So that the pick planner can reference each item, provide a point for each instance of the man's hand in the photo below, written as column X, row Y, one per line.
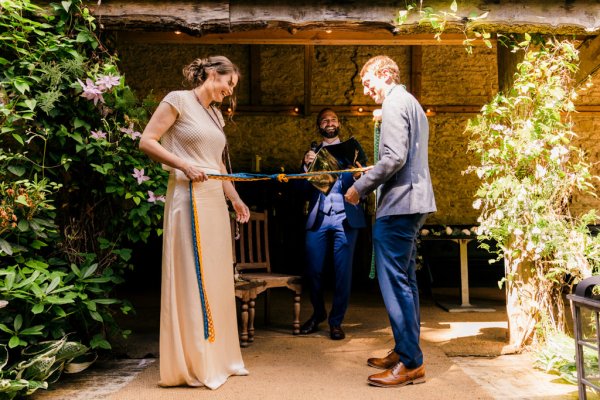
column 352, row 196
column 309, row 157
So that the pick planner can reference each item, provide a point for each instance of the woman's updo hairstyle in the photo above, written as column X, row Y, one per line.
column 196, row 72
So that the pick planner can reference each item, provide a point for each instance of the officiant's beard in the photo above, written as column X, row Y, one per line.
column 329, row 135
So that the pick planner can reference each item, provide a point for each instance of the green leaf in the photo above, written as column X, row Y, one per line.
column 37, row 309
column 454, row 6
column 88, row 271
column 14, row 342
column 75, row 269
column 5, row 329
column 66, row 5
column 37, row 244
column 33, row 330
column 18, row 322
column 78, row 123
column 21, row 85
column 31, row 103
column 53, row 285
column 106, row 301
column 6, row 247
column 36, row 264
column 21, row 200
column 17, row 170
column 99, row 342
column 23, row 225
column 96, row 315
column 9, row 280
column 19, row 139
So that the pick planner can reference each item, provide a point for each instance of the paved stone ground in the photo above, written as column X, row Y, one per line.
column 99, row 381
column 470, row 343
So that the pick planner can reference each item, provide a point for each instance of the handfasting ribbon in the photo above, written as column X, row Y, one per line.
column 244, row 176
column 209, row 327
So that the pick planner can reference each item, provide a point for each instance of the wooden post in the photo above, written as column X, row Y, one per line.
column 309, row 53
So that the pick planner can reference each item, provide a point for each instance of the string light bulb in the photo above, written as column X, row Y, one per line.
column 360, row 109
column 177, row 32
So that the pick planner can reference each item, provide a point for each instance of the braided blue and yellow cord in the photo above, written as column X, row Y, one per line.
column 209, row 327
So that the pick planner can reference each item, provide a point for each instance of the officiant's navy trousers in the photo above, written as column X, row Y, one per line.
column 332, row 229
column 395, row 245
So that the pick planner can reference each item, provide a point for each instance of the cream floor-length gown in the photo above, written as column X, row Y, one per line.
column 186, row 357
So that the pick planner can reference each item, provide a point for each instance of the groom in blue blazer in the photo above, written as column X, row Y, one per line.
column 404, row 199
column 331, row 222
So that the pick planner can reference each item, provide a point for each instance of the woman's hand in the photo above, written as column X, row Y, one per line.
column 242, row 212
column 194, row 173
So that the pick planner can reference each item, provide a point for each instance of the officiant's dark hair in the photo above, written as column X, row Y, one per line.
column 320, row 115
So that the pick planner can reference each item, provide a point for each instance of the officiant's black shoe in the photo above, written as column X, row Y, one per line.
column 336, row 333
column 310, row 326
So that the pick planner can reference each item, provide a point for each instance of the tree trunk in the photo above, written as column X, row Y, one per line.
column 520, row 304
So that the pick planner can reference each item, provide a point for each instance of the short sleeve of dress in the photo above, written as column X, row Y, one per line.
column 174, row 99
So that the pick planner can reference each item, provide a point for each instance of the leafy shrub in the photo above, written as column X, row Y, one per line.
column 75, row 192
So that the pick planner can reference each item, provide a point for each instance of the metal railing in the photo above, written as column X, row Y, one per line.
column 583, row 299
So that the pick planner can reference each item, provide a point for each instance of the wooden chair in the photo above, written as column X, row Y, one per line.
column 252, row 261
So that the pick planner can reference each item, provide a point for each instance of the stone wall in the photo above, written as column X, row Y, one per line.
column 449, row 77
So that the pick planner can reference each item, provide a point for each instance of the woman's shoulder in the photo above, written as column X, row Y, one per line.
column 178, row 94
column 178, row 99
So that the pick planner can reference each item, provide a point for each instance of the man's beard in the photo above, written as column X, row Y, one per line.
column 329, row 135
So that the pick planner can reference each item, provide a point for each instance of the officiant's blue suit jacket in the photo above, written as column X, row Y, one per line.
column 355, row 216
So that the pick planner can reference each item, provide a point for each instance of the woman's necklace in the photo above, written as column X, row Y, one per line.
column 214, row 119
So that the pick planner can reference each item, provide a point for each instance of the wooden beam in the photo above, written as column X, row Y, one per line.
column 309, row 55
column 282, row 36
column 255, row 80
column 589, row 60
column 507, row 66
column 201, row 16
column 367, row 109
column 416, row 58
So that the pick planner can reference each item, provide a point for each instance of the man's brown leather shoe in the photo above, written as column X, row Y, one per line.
column 336, row 333
column 386, row 362
column 398, row 375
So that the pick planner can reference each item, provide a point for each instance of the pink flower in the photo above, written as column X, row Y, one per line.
column 105, row 82
column 139, row 175
column 129, row 131
column 152, row 198
column 98, row 134
column 91, row 91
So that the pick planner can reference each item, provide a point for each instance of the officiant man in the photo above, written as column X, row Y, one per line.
column 332, row 223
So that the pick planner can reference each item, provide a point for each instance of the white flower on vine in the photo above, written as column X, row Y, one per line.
column 530, row 246
column 498, row 127
column 377, row 114
column 518, row 232
column 480, row 172
column 499, row 214
column 540, row 171
column 448, row 231
column 536, row 231
column 557, row 152
column 477, row 204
